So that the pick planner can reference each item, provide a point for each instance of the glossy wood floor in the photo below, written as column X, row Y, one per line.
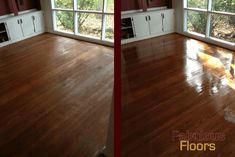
column 174, row 83
column 55, row 97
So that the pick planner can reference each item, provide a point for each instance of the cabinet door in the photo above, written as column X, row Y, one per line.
column 27, row 25
column 168, row 21
column 141, row 25
column 155, row 23
column 38, row 21
column 14, row 29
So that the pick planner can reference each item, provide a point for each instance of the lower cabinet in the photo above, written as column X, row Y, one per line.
column 141, row 26
column 38, row 21
column 14, row 29
column 24, row 26
column 151, row 24
column 155, row 23
column 168, row 21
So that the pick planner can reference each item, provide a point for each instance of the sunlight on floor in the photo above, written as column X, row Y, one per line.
column 217, row 68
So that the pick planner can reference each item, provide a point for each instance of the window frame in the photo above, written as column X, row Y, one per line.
column 75, row 32
column 208, row 13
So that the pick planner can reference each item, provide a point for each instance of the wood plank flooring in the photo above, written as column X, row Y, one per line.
column 174, row 83
column 55, row 97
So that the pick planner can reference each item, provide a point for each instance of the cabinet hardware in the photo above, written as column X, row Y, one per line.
column 21, row 21
column 149, row 18
column 133, row 27
column 18, row 21
column 146, row 18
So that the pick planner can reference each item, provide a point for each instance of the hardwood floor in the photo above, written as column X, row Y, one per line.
column 55, row 97
column 174, row 83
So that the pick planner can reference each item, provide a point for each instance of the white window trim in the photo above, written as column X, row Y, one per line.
column 207, row 36
column 75, row 34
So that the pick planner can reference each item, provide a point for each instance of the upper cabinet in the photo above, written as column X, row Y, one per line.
column 151, row 24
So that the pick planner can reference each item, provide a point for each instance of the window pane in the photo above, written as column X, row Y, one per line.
column 202, row 4
column 96, row 5
column 223, row 5
column 223, row 27
column 196, row 22
column 109, row 27
column 110, row 6
column 64, row 21
column 65, row 4
column 89, row 24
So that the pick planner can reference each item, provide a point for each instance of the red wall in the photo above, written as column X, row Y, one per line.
column 138, row 4
column 29, row 4
column 6, row 6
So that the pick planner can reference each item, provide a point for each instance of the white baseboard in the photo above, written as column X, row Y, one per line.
column 126, row 41
column 15, row 41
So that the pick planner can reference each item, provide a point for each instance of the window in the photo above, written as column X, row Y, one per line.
column 64, row 21
column 109, row 27
column 211, row 19
column 87, row 18
column 89, row 24
column 223, row 27
column 192, row 22
column 197, row 4
column 95, row 5
column 223, row 5
column 63, row 4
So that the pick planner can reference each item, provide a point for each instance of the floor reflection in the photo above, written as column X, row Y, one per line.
column 217, row 67
column 229, row 114
column 217, row 63
column 193, row 68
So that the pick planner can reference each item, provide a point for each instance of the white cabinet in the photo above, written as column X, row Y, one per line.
column 141, row 26
column 168, row 21
column 155, row 22
column 26, row 23
column 38, row 22
column 24, row 26
column 151, row 24
column 14, row 29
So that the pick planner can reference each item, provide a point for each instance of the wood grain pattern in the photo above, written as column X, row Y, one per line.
column 166, row 86
column 55, row 97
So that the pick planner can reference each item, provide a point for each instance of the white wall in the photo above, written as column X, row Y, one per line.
column 178, row 6
column 46, row 7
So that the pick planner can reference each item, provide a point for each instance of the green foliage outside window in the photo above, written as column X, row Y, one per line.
column 197, row 21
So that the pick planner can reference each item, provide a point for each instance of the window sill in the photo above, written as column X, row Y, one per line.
column 222, row 41
column 197, row 34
